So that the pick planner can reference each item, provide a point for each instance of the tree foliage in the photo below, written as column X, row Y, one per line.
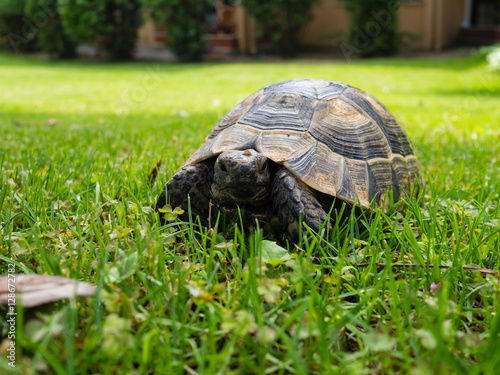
column 282, row 20
column 111, row 24
column 185, row 24
column 52, row 36
column 16, row 32
column 373, row 28
column 12, row 7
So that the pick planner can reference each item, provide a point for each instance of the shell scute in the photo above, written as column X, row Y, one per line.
column 314, row 88
column 281, row 111
column 399, row 141
column 346, row 131
column 234, row 114
column 281, row 146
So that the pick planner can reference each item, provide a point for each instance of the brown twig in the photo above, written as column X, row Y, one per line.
column 154, row 173
column 413, row 265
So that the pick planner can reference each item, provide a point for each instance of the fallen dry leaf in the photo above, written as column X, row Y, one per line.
column 52, row 121
column 154, row 173
column 34, row 290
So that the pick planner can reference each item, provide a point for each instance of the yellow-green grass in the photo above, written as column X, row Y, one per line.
column 77, row 142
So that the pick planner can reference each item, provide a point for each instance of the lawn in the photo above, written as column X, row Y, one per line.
column 77, row 143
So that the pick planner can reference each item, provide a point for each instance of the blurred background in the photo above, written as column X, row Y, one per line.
column 195, row 29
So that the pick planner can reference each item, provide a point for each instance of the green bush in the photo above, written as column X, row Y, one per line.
column 492, row 55
column 282, row 20
column 52, row 36
column 373, row 28
column 111, row 24
column 185, row 24
column 17, row 33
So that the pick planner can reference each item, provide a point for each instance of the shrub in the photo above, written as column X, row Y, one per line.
column 373, row 28
column 16, row 32
column 111, row 24
column 493, row 57
column 52, row 36
column 185, row 24
column 282, row 20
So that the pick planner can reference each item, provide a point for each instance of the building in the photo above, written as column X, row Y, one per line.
column 430, row 25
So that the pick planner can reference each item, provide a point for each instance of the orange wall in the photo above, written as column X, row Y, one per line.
column 146, row 35
column 330, row 23
column 328, row 26
column 453, row 15
column 412, row 20
column 435, row 22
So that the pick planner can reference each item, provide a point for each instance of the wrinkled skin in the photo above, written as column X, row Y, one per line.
column 242, row 177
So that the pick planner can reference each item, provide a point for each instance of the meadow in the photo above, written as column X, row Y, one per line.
column 391, row 293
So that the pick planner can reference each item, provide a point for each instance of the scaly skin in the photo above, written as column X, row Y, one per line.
column 193, row 181
column 292, row 199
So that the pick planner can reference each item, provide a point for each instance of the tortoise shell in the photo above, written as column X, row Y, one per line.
column 337, row 139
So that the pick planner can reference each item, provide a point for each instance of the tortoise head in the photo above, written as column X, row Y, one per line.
column 242, row 177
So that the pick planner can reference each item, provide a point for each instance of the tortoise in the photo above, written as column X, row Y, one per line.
column 291, row 150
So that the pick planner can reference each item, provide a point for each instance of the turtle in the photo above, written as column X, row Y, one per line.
column 291, row 150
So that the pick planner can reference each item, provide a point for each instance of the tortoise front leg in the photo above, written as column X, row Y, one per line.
column 292, row 199
column 193, row 181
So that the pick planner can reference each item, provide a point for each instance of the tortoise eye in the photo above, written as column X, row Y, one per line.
column 222, row 167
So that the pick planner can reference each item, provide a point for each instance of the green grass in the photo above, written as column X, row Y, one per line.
column 77, row 142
